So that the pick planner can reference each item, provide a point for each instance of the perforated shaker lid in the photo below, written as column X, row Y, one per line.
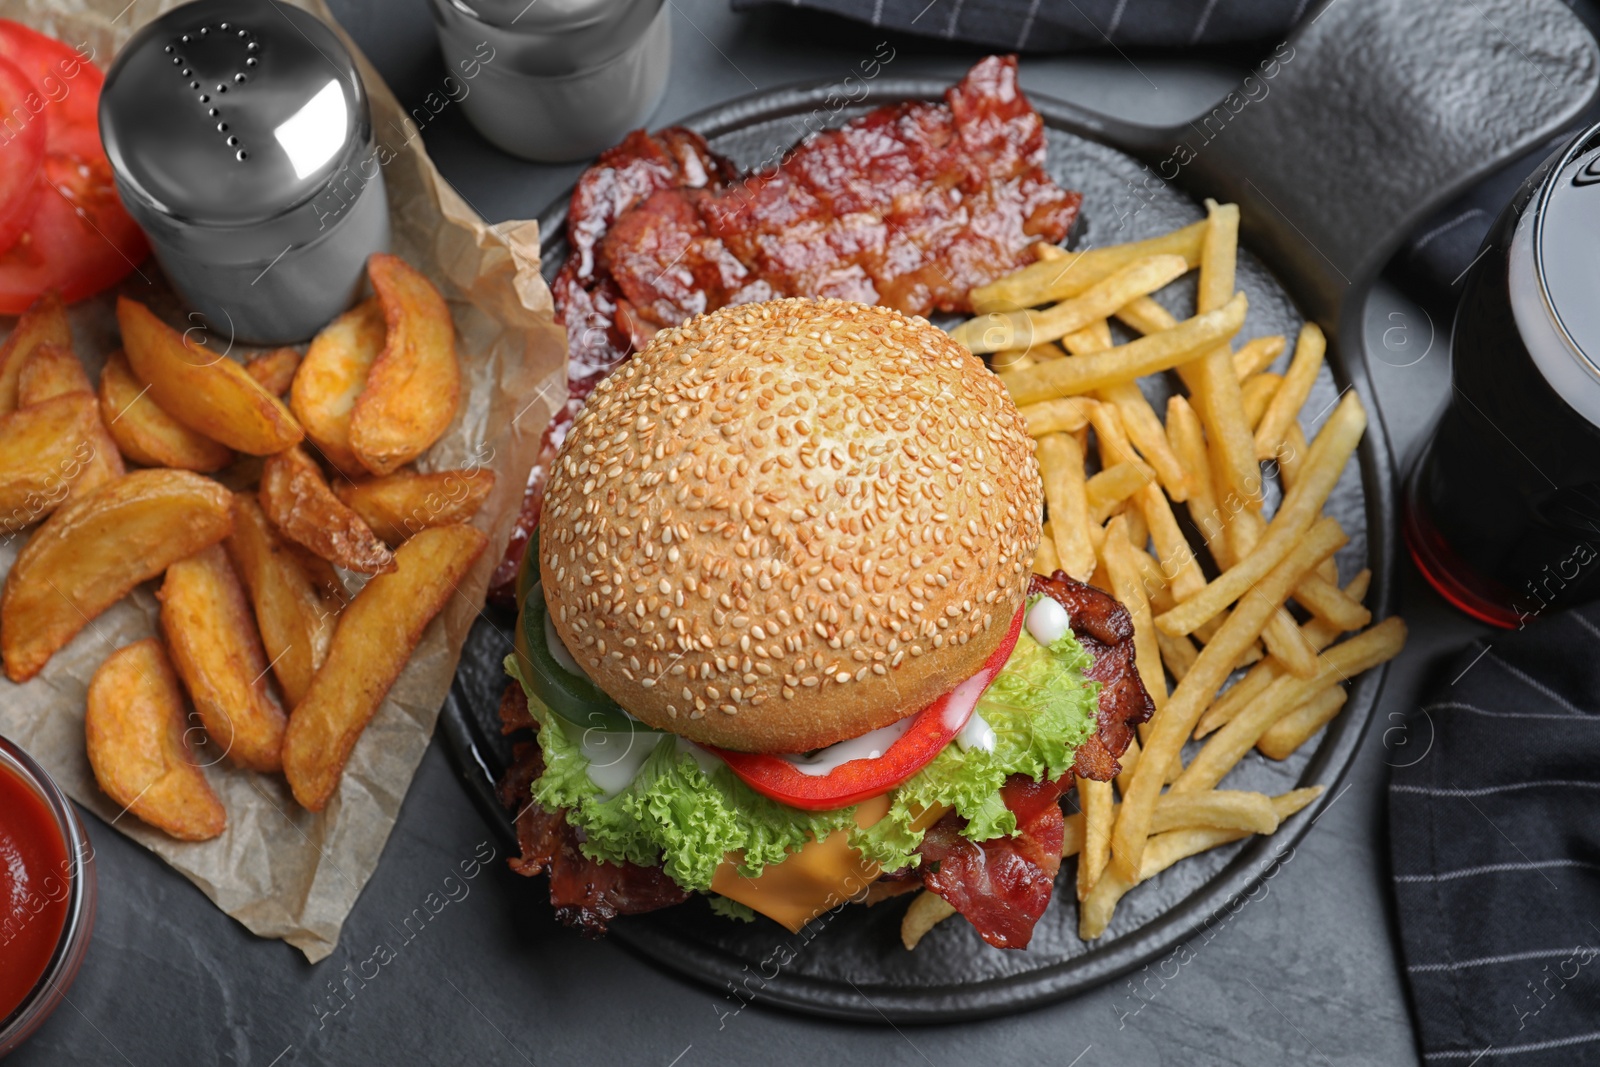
column 230, row 112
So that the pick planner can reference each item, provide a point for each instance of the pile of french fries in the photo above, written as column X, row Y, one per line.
column 1047, row 330
column 283, row 664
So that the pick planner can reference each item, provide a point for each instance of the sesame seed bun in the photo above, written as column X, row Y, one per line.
column 785, row 524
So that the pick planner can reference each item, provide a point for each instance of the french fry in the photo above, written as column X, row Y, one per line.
column 928, row 909
column 333, row 373
column 217, row 652
column 1288, row 400
column 1094, row 914
column 1148, row 436
column 398, row 505
column 1128, row 587
column 1292, row 455
column 1328, row 602
column 1067, row 414
column 1044, row 557
column 376, row 635
column 295, row 618
column 1217, row 809
column 1285, row 644
column 297, row 499
column 1067, row 275
column 93, row 551
column 414, row 386
column 43, row 323
column 1189, row 442
column 1229, row 744
column 1296, row 728
column 1111, row 487
column 1125, row 363
column 1318, row 633
column 208, row 393
column 1178, row 653
column 1212, row 377
column 274, row 369
column 1256, row 393
column 44, row 449
column 1256, row 355
column 1066, row 496
column 1112, row 441
column 1178, row 561
column 1198, row 687
column 144, row 432
column 134, row 728
column 54, row 370
column 1095, row 799
column 1335, row 444
column 1095, row 337
column 999, row 331
column 1145, row 316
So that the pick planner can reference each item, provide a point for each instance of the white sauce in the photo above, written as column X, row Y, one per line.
column 1048, row 621
column 558, row 648
column 614, row 758
column 977, row 734
column 964, row 699
column 867, row 746
column 708, row 761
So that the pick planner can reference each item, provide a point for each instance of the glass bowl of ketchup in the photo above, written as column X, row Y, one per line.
column 47, row 895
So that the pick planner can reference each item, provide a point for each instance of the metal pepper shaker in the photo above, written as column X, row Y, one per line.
column 241, row 139
column 555, row 80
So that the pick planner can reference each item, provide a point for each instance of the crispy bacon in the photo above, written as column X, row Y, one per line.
column 586, row 893
column 910, row 206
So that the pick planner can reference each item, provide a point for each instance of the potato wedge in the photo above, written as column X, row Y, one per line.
column 414, row 386
column 376, row 636
column 330, row 377
column 50, row 370
column 134, row 730
column 205, row 391
column 93, row 551
column 297, row 499
column 54, row 370
column 44, row 449
column 217, row 652
column 44, row 323
column 399, row 504
column 274, row 370
column 295, row 619
column 144, row 431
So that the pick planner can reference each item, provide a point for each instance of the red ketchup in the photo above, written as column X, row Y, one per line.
column 33, row 889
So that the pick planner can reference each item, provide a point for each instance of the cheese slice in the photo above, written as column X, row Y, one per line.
column 819, row 877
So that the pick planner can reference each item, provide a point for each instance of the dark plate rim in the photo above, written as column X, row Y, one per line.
column 1110, row 959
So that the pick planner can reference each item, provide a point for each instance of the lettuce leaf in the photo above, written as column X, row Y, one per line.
column 674, row 813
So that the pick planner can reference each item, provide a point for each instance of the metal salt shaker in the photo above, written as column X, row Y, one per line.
column 555, row 80
column 241, row 139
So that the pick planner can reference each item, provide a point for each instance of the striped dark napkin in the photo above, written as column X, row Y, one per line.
column 1494, row 834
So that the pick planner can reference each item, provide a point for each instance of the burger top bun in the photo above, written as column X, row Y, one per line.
column 785, row 524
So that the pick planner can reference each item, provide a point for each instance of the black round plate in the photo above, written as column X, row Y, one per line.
column 850, row 964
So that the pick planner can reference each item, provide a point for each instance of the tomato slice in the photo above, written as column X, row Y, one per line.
column 79, row 241
column 22, row 148
column 934, row 727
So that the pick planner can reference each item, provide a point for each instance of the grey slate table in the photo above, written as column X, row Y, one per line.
column 1305, row 971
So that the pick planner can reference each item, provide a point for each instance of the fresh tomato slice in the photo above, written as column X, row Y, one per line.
column 79, row 240
column 934, row 727
column 22, row 148
column 68, row 87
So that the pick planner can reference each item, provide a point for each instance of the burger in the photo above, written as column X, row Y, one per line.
column 780, row 643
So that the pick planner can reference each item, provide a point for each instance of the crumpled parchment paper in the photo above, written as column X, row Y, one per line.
column 281, row 871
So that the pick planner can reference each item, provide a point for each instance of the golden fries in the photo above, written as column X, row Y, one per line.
column 1095, row 798
column 1066, row 495
column 927, row 910
column 414, row 385
column 214, row 646
column 1107, row 490
column 1148, row 436
column 297, row 499
column 144, row 432
column 1256, row 355
column 1288, row 400
column 1124, row 363
column 375, row 637
column 134, row 730
column 1066, row 414
column 1255, row 394
column 94, row 550
column 44, row 449
column 44, row 323
column 296, row 618
column 52, row 371
column 1221, row 810
column 1069, row 274
column 1044, row 557
column 1293, row 730
column 399, row 504
column 1024, row 329
column 208, row 393
column 274, row 370
column 331, row 376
